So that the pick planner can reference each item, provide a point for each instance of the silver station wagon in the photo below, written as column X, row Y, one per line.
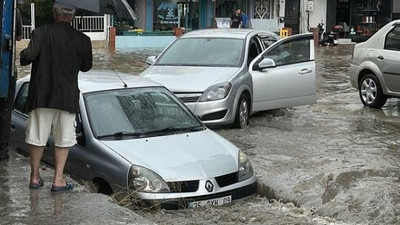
column 135, row 136
column 225, row 75
column 374, row 69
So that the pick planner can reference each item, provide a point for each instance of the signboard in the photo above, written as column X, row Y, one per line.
column 223, row 22
column 167, row 13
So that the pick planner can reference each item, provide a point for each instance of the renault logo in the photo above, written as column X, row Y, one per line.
column 209, row 186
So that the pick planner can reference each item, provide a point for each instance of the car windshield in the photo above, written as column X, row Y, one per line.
column 203, row 52
column 138, row 112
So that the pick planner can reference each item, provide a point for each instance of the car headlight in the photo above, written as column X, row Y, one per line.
column 245, row 168
column 216, row 92
column 145, row 180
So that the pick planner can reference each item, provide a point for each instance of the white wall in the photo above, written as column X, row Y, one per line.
column 318, row 13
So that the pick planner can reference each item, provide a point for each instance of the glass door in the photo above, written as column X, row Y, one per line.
column 188, row 14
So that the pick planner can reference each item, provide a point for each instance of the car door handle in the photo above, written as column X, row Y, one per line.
column 305, row 71
column 12, row 127
column 381, row 57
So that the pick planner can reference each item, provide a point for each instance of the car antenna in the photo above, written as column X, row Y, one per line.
column 125, row 85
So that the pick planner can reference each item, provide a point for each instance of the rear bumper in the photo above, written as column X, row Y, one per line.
column 354, row 71
column 238, row 193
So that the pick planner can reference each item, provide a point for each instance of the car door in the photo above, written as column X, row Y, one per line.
column 388, row 59
column 18, row 126
column 17, row 138
column 284, row 74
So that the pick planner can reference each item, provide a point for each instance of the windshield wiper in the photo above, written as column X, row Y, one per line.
column 175, row 130
column 121, row 134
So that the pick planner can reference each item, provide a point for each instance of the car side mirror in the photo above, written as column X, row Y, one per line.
column 266, row 63
column 151, row 59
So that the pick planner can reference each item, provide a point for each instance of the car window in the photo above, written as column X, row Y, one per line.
column 203, row 52
column 139, row 110
column 254, row 49
column 392, row 41
column 267, row 41
column 19, row 103
column 290, row 52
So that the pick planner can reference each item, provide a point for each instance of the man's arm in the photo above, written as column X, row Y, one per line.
column 29, row 54
column 87, row 56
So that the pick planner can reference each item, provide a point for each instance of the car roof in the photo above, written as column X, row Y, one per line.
column 97, row 80
column 226, row 33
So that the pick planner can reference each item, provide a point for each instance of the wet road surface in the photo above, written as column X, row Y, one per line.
column 21, row 205
column 334, row 162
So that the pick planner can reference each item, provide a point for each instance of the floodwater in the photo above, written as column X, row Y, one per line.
column 334, row 162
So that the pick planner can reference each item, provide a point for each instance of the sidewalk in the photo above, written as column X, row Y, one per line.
column 20, row 205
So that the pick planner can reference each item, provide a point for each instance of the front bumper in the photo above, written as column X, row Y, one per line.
column 182, row 199
column 236, row 194
column 220, row 112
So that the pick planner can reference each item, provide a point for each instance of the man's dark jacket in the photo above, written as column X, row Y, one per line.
column 57, row 53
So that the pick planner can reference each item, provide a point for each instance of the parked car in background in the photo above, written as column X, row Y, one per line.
column 374, row 68
column 225, row 75
column 135, row 136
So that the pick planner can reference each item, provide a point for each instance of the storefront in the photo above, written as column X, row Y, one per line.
column 163, row 15
column 359, row 17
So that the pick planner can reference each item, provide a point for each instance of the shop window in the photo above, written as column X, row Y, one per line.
column 165, row 14
column 392, row 41
column 369, row 16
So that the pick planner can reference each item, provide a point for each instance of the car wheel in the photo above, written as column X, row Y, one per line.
column 242, row 112
column 102, row 187
column 371, row 92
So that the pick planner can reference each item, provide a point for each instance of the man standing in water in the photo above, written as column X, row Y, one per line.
column 57, row 53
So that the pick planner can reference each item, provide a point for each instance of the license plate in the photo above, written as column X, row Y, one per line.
column 208, row 202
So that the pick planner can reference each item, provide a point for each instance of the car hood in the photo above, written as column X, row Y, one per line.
column 189, row 78
column 179, row 157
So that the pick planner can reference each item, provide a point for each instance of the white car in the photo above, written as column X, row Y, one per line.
column 134, row 135
column 374, row 69
column 225, row 75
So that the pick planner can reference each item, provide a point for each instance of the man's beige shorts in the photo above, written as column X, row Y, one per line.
column 42, row 122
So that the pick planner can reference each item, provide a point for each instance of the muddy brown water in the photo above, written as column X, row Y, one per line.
column 335, row 162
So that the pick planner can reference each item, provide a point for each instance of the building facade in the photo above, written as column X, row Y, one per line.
column 362, row 17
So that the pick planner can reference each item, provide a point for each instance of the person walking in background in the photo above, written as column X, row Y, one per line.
column 57, row 53
column 6, row 105
column 244, row 20
column 236, row 19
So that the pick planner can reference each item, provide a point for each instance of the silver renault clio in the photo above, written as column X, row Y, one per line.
column 134, row 136
column 225, row 75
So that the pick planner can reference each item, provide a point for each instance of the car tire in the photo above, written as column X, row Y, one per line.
column 370, row 91
column 242, row 112
column 102, row 187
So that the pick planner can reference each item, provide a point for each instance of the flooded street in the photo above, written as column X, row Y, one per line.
column 334, row 162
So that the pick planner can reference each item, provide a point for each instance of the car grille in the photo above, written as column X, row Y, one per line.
column 188, row 97
column 184, row 186
column 227, row 179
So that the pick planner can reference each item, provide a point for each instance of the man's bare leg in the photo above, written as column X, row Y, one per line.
column 60, row 156
column 36, row 153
